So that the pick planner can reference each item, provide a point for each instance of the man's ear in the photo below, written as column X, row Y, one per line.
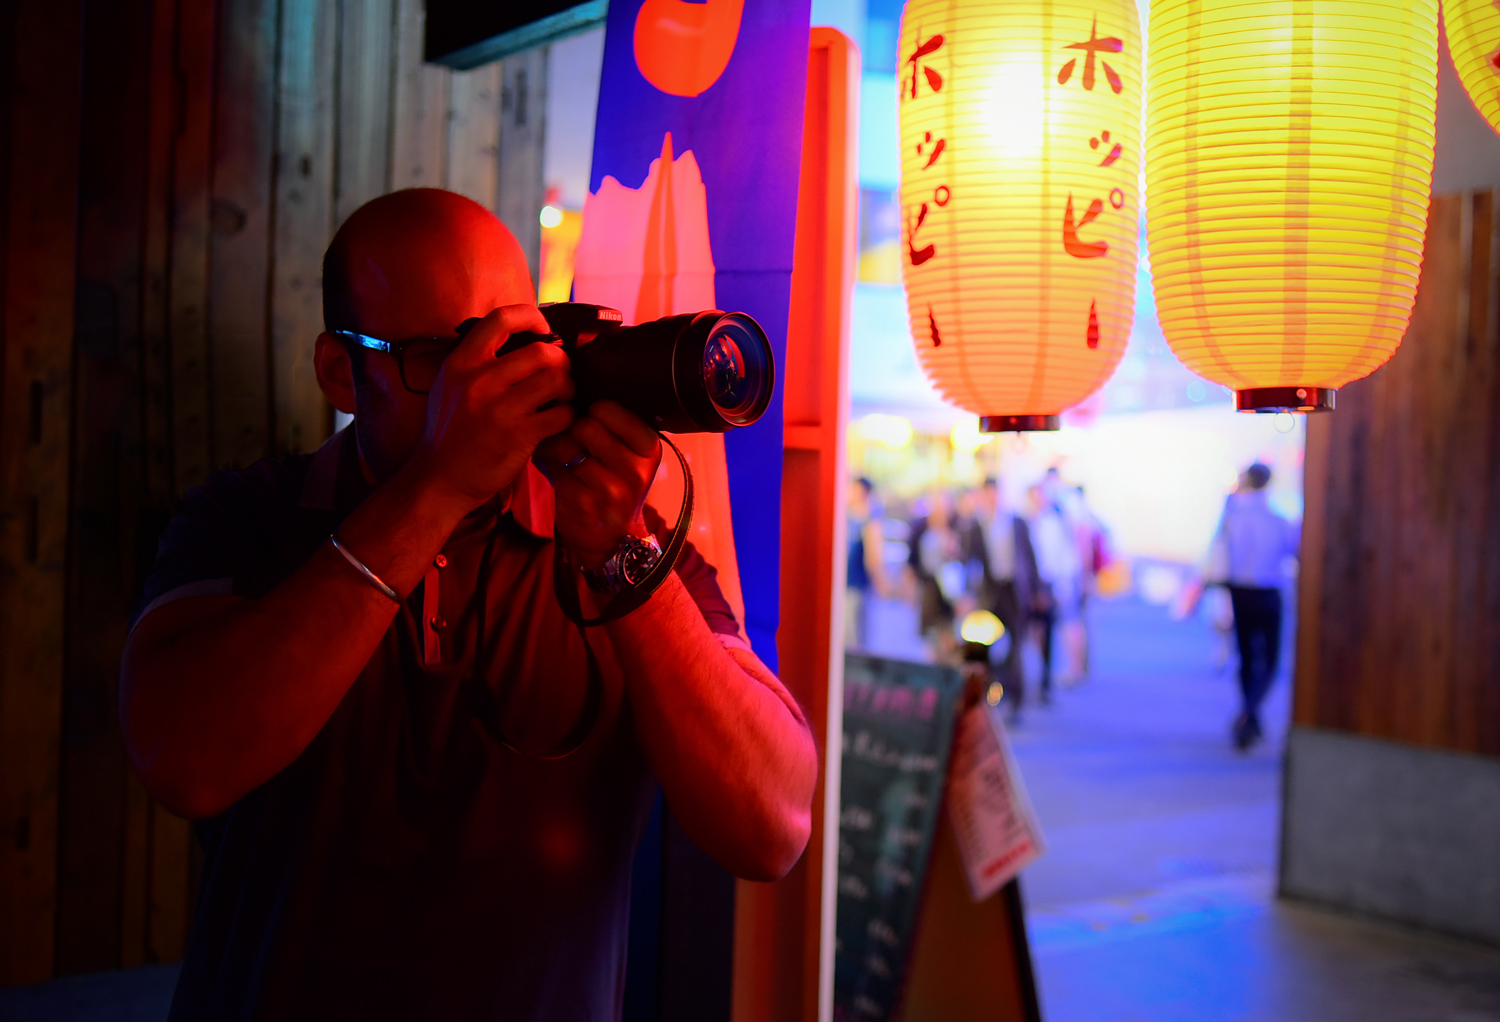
column 335, row 371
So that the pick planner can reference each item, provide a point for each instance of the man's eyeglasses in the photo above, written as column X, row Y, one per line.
column 418, row 359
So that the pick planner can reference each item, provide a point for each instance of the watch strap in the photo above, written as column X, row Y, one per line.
column 565, row 581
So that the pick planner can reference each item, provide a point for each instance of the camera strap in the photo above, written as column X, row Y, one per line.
column 565, row 580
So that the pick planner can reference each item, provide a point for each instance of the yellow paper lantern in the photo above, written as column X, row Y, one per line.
column 1020, row 128
column 1473, row 30
column 1288, row 169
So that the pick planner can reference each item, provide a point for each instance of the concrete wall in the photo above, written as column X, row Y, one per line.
column 1395, row 830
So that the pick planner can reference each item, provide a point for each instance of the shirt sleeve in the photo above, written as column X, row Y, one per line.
column 215, row 540
column 701, row 580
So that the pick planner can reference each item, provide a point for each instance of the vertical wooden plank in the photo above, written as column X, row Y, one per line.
column 419, row 132
column 106, row 482
column 170, row 895
column 43, row 58
column 1411, row 672
column 1312, row 577
column 1473, row 404
column 187, row 285
column 156, row 456
column 193, row 82
column 523, row 131
column 365, row 93
column 1401, row 637
column 474, row 134
column 1487, row 655
column 302, row 218
column 240, row 221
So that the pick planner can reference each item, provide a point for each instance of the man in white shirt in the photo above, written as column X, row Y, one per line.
column 1254, row 543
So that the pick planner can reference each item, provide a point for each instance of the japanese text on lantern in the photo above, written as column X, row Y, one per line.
column 1082, row 69
column 924, row 79
column 1109, row 151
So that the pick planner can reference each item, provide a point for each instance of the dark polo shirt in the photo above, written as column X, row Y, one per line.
column 408, row 864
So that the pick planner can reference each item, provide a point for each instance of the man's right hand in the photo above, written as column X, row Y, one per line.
column 484, row 416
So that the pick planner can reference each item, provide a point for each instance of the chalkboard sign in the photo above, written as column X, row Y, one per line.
column 898, row 727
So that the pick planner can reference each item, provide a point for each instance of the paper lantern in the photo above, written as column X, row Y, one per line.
column 1288, row 167
column 1473, row 30
column 1020, row 128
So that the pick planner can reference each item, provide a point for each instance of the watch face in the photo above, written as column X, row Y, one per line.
column 637, row 560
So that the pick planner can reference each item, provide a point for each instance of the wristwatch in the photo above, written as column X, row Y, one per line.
column 633, row 559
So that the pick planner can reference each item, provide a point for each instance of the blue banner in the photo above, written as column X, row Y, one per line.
column 693, row 205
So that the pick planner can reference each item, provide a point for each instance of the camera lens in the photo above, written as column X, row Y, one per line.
column 736, row 360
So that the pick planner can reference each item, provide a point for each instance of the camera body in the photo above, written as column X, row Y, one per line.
column 699, row 372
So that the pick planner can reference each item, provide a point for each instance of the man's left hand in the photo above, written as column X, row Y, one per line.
column 600, row 468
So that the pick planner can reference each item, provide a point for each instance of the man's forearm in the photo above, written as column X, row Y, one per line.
column 726, row 739
column 219, row 694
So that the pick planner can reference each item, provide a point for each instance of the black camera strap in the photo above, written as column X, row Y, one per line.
column 565, row 579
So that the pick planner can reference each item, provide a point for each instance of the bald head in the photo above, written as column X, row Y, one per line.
column 419, row 262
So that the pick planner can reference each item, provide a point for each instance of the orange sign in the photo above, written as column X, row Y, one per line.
column 682, row 48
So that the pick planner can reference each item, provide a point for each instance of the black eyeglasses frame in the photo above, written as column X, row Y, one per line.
column 396, row 349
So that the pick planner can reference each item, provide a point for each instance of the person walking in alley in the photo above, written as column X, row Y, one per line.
column 1057, row 599
column 866, row 568
column 1010, row 579
column 1254, row 542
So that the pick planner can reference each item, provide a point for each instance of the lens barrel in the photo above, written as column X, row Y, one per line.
column 703, row 372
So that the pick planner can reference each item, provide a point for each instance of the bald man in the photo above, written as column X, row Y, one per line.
column 419, row 786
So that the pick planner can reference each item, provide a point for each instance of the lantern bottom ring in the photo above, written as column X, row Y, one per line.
column 1019, row 423
column 1286, row 399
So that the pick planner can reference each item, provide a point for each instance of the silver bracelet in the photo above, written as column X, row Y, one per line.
column 359, row 566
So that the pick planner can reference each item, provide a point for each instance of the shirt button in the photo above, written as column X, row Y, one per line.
column 440, row 561
column 438, row 622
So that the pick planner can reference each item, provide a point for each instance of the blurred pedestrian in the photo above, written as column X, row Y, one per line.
column 1060, row 571
column 936, row 563
column 866, row 564
column 1255, row 542
column 1010, row 580
column 1091, row 538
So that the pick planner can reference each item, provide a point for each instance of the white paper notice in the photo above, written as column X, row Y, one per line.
column 997, row 831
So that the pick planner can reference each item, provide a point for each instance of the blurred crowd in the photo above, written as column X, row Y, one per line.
column 985, row 575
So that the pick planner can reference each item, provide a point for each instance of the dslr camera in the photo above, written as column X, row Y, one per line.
column 699, row 372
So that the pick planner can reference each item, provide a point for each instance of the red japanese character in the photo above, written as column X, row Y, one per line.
column 918, row 256
column 937, row 150
column 1093, row 46
column 934, row 80
column 1113, row 154
column 1076, row 248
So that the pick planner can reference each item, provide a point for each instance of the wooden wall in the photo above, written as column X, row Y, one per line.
column 171, row 172
column 1399, row 635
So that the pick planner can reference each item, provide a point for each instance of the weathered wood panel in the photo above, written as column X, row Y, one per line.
column 220, row 143
column 419, row 135
column 187, row 285
column 523, row 132
column 303, row 220
column 42, row 52
column 1400, row 630
column 157, row 489
column 240, row 222
column 474, row 134
column 106, row 476
column 366, row 87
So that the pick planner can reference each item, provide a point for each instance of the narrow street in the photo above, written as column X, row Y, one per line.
column 1156, row 898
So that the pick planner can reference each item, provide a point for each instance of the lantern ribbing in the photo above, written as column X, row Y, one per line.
column 1020, row 128
column 1473, row 30
column 1289, row 161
